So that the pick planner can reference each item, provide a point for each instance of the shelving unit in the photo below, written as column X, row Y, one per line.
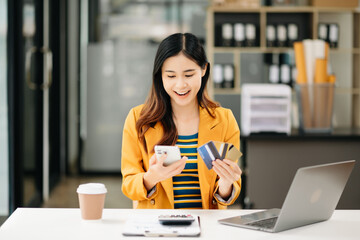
column 345, row 59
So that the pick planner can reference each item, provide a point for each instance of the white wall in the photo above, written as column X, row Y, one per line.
column 4, row 149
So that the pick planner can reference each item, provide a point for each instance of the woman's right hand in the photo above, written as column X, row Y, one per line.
column 157, row 172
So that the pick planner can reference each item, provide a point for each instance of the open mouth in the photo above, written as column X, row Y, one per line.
column 182, row 94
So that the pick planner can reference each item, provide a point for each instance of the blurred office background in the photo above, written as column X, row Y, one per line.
column 70, row 70
column 69, row 73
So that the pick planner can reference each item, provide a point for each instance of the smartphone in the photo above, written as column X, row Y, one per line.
column 173, row 153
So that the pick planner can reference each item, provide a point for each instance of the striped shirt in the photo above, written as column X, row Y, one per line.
column 186, row 184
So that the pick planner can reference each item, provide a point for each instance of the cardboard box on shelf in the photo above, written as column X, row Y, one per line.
column 335, row 3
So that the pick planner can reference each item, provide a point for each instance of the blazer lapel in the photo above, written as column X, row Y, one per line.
column 208, row 130
column 152, row 137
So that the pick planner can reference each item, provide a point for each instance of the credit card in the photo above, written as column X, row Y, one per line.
column 218, row 150
column 205, row 152
column 233, row 153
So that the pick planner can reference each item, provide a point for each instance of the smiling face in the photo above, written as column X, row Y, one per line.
column 181, row 78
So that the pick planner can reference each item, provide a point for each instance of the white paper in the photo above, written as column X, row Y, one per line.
column 309, row 60
column 319, row 49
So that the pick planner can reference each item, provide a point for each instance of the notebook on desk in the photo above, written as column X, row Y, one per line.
column 312, row 197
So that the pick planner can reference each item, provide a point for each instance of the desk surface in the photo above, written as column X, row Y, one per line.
column 45, row 223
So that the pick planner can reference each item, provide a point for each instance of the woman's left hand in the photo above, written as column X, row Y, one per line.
column 229, row 172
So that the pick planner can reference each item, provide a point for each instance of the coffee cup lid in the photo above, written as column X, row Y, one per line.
column 91, row 188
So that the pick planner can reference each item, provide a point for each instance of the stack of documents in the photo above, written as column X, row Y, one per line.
column 312, row 62
column 265, row 108
column 315, row 84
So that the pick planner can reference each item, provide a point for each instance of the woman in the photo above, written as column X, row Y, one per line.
column 179, row 111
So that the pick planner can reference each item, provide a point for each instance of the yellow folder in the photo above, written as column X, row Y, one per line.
column 300, row 62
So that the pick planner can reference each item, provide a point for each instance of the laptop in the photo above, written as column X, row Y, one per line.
column 312, row 197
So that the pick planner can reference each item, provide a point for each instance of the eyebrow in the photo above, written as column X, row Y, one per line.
column 188, row 70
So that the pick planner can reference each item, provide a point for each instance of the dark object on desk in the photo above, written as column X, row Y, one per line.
column 150, row 226
column 312, row 197
column 267, row 134
column 176, row 219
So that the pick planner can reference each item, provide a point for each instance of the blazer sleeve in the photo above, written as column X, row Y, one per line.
column 132, row 161
column 232, row 136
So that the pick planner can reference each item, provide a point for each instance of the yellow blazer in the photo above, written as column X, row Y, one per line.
column 135, row 160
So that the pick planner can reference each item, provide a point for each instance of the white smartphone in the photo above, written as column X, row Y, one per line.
column 173, row 153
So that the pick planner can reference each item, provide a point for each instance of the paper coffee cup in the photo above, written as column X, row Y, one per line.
column 91, row 200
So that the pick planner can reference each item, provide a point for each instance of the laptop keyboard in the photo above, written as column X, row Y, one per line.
column 266, row 223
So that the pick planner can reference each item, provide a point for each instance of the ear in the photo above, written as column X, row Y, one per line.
column 203, row 71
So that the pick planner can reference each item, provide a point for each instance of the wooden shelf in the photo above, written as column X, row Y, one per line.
column 238, row 50
column 227, row 91
column 348, row 73
column 237, row 91
column 233, row 8
column 353, row 91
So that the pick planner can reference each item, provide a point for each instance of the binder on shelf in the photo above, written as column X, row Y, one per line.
column 281, row 34
column 228, row 76
column 227, row 34
column 239, row 34
column 270, row 36
column 333, row 35
column 293, row 34
column 285, row 73
column 218, row 77
column 274, row 69
column 274, row 73
column 250, row 34
column 323, row 31
column 329, row 32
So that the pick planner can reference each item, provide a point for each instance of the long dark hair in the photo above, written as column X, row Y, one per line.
column 157, row 107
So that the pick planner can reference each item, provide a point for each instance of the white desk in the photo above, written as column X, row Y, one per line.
column 42, row 223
